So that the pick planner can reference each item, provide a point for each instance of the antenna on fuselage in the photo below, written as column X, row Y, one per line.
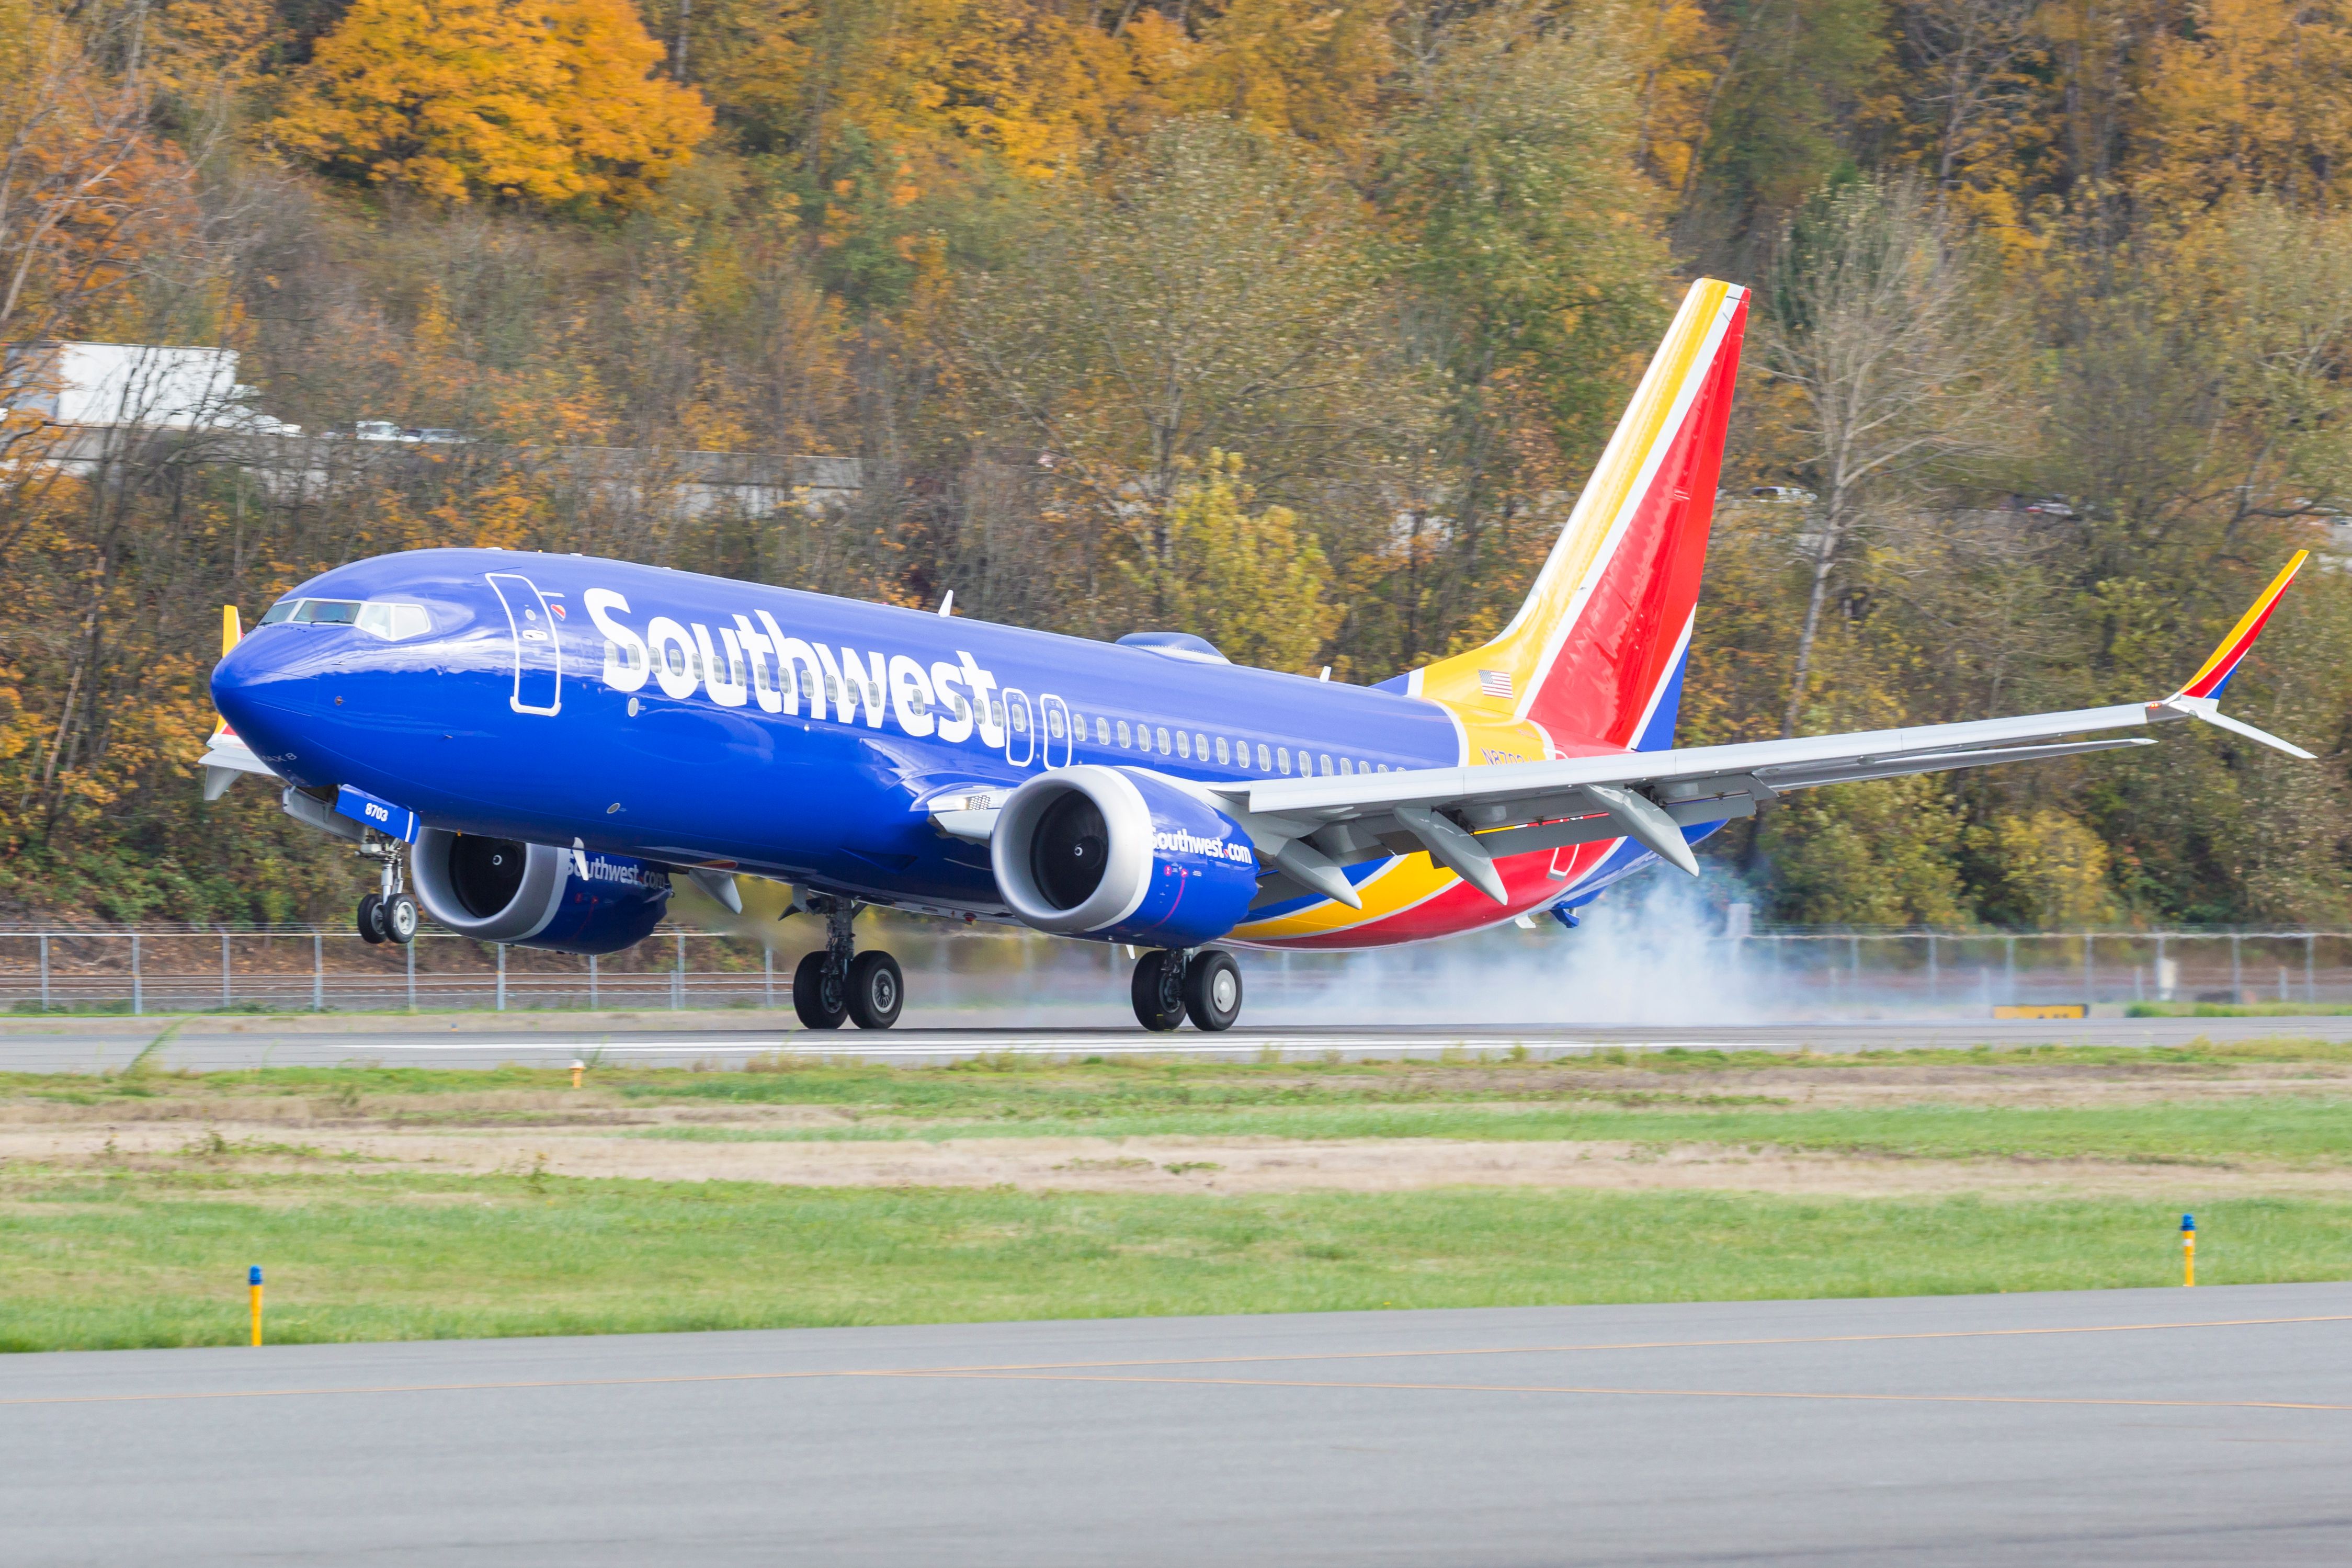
column 948, row 603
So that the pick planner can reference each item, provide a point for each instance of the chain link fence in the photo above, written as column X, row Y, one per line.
column 993, row 973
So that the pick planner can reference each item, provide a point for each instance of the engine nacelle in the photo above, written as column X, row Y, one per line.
column 535, row 895
column 1122, row 855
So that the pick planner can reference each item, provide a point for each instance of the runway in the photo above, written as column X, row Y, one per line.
column 728, row 1040
column 2140, row 1427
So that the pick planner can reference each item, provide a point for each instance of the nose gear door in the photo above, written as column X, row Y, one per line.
column 537, row 655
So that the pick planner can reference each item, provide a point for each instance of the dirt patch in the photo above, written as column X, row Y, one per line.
column 1137, row 1164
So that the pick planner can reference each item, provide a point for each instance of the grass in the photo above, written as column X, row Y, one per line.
column 144, row 1259
column 151, row 1251
column 2238, row 1010
column 2277, row 1129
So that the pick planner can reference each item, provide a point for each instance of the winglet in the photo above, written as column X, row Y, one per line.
column 2215, row 673
column 2200, row 699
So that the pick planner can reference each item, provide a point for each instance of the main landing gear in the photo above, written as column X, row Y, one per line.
column 1203, row 984
column 835, row 983
column 388, row 914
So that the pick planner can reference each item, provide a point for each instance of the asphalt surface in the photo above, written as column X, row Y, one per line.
column 729, row 1038
column 2125, row 1427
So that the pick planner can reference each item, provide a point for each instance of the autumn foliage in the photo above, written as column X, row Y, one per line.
column 1295, row 323
column 551, row 101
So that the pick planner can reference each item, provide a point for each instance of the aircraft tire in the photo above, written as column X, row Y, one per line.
column 371, row 919
column 877, row 990
column 817, row 993
column 1157, row 990
column 1212, row 990
column 399, row 918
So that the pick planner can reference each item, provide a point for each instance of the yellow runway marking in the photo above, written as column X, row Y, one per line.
column 1043, row 1369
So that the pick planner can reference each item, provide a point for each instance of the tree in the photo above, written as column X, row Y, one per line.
column 1870, row 323
column 1255, row 586
column 549, row 101
column 88, row 194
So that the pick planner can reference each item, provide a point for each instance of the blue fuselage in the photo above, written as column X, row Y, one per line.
column 697, row 720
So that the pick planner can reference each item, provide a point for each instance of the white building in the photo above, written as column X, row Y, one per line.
column 136, row 385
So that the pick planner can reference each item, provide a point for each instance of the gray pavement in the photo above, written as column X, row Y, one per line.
column 729, row 1038
column 2140, row 1428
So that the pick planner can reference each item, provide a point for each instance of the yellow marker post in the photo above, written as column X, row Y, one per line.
column 577, row 1069
column 2187, row 1249
column 253, row 1280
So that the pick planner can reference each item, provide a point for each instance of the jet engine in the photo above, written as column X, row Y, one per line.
column 535, row 895
column 1122, row 855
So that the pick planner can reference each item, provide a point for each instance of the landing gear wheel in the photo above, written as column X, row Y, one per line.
column 1212, row 990
column 1158, row 990
column 877, row 990
column 397, row 915
column 816, row 993
column 371, row 919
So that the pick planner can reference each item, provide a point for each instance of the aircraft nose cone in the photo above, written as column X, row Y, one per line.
column 268, row 689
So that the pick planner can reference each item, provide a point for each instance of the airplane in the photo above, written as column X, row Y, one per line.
column 534, row 745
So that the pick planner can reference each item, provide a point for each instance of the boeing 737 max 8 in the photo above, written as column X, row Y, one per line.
column 532, row 745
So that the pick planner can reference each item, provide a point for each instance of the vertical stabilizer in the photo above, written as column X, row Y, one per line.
column 1595, row 655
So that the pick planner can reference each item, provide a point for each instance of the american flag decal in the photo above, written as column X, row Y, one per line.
column 1495, row 682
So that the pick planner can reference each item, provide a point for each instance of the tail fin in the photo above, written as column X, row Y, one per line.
column 1595, row 655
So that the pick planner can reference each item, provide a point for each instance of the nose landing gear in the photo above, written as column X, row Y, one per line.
column 837, row 984
column 1203, row 985
column 389, row 914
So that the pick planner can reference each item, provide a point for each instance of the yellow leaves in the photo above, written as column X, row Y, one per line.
column 1680, row 52
column 548, row 102
column 1253, row 586
column 2053, row 867
column 2254, row 102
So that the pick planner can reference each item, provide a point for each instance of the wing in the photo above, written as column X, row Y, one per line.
column 1466, row 817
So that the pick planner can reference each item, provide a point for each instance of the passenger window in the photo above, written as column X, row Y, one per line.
column 1183, row 744
column 1123, row 737
column 1165, row 746
column 1200, row 745
column 1282, row 759
column 1102, row 731
column 1054, row 722
column 676, row 659
column 1224, row 751
column 1327, row 764
column 283, row 610
column 1346, row 766
column 1265, row 763
column 1021, row 720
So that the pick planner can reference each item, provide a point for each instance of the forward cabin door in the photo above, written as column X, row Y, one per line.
column 538, row 653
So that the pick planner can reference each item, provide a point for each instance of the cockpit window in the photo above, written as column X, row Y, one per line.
column 394, row 621
column 379, row 618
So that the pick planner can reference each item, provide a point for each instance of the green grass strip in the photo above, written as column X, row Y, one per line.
column 138, row 1259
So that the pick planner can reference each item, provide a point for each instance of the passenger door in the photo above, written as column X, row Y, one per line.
column 538, row 653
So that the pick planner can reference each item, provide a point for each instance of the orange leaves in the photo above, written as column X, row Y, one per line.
column 548, row 102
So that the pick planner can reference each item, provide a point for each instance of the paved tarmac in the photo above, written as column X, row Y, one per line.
column 2127, row 1427
column 729, row 1038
